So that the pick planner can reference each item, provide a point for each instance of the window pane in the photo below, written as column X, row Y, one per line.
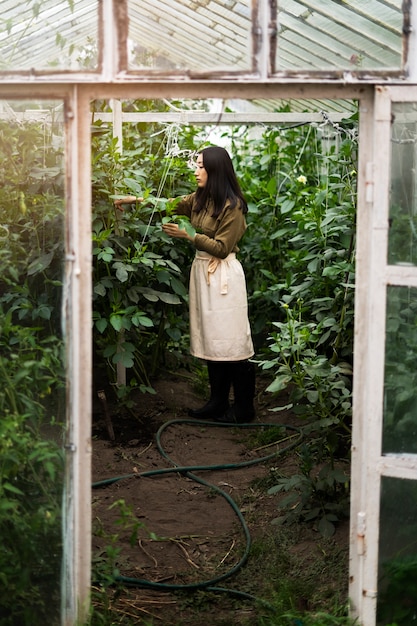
column 32, row 381
column 402, row 242
column 329, row 34
column 397, row 586
column 182, row 35
column 48, row 35
column 400, row 393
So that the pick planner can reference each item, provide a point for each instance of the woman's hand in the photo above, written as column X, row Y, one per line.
column 173, row 230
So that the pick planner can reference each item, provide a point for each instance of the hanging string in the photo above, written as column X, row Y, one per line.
column 173, row 150
column 351, row 132
column 169, row 131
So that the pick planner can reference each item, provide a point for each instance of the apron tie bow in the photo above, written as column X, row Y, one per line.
column 213, row 264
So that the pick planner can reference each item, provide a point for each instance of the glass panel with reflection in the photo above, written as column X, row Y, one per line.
column 402, row 240
column 400, row 385
column 334, row 35
column 397, row 584
column 32, row 379
column 178, row 35
column 48, row 35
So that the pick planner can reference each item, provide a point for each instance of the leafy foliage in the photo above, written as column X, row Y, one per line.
column 140, row 276
column 299, row 257
column 31, row 373
column 317, row 494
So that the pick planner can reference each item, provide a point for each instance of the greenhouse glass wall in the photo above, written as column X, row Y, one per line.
column 70, row 66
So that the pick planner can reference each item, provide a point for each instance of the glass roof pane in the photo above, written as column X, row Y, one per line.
column 195, row 35
column 330, row 34
column 202, row 37
column 48, row 35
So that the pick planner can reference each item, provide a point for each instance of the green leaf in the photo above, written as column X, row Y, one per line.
column 13, row 489
column 286, row 407
column 326, row 528
column 125, row 358
column 109, row 350
column 312, row 514
column 185, row 225
column 99, row 289
column 287, row 206
column 280, row 383
column 122, row 274
column 101, row 324
column 289, row 500
column 122, row 271
column 40, row 264
column 174, row 333
column 339, row 476
column 133, row 186
column 106, row 254
column 141, row 320
column 313, row 265
column 117, row 322
column 178, row 286
column 272, row 186
column 43, row 311
column 169, row 298
column 312, row 396
column 164, row 277
column 152, row 297
column 275, row 489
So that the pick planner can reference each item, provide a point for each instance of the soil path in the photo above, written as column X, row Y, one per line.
column 176, row 531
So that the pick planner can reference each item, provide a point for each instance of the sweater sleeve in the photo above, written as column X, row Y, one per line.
column 230, row 228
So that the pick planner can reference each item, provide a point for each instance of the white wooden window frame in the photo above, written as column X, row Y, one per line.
column 374, row 275
column 78, row 305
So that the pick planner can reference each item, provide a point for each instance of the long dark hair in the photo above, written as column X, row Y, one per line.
column 222, row 184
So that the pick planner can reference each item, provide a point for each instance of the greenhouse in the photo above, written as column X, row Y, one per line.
column 316, row 103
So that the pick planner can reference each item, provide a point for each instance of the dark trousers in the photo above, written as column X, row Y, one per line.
column 224, row 375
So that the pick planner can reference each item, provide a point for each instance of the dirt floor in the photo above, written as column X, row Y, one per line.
column 172, row 530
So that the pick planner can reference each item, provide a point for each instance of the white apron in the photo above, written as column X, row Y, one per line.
column 219, row 324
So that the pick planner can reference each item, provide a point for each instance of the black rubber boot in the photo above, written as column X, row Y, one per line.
column 220, row 382
column 243, row 379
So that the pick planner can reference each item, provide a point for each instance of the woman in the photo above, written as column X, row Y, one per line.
column 219, row 325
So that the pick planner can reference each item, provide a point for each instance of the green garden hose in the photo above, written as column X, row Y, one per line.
column 188, row 471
